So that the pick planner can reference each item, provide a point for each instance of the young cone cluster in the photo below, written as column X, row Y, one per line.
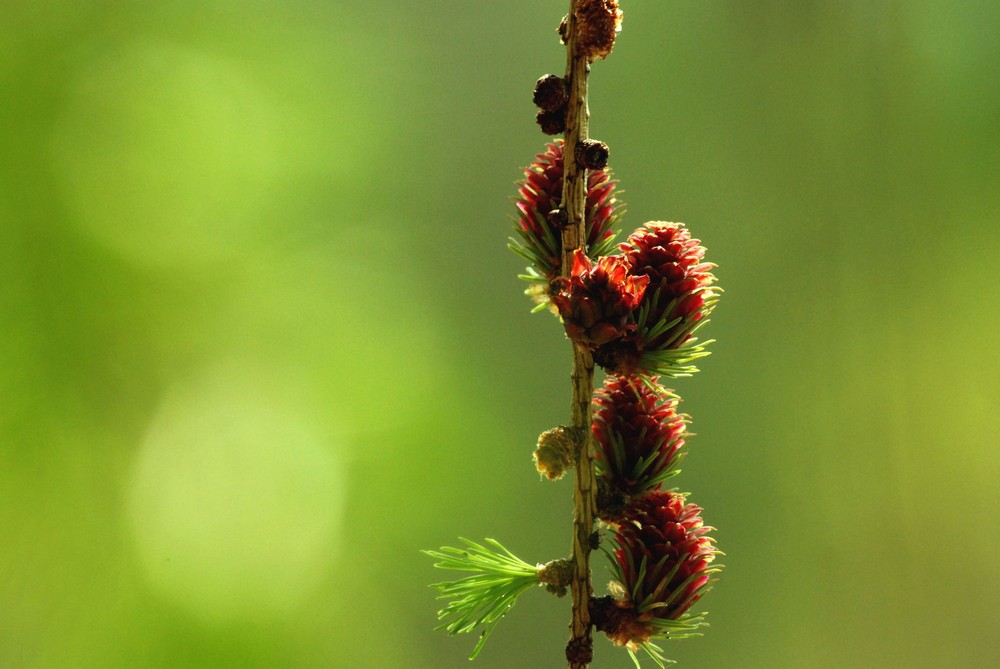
column 633, row 309
column 660, row 263
column 637, row 311
column 662, row 558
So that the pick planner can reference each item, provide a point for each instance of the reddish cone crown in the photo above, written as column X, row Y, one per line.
column 597, row 300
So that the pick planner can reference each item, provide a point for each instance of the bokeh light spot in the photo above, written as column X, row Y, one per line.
column 235, row 500
column 167, row 154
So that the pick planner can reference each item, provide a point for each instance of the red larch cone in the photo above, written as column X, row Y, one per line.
column 663, row 562
column 640, row 437
column 540, row 231
column 679, row 297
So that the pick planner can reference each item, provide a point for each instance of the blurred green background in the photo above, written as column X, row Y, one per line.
column 261, row 341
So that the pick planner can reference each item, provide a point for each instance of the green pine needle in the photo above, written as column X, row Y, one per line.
column 483, row 598
column 655, row 653
column 675, row 363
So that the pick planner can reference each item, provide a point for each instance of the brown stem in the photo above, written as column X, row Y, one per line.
column 579, row 651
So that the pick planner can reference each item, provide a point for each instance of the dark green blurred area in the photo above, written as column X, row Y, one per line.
column 261, row 341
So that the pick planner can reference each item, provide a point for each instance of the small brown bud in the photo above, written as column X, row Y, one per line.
column 552, row 122
column 594, row 540
column 556, row 576
column 580, row 650
column 557, row 218
column 611, row 501
column 556, row 452
column 557, row 590
column 597, row 25
column 551, row 92
column 603, row 613
column 592, row 154
column 563, row 29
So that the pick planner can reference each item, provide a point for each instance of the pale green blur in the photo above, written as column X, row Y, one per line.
column 261, row 341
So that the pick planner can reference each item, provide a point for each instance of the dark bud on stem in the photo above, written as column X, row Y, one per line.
column 557, row 218
column 563, row 29
column 553, row 122
column 580, row 651
column 611, row 500
column 604, row 613
column 592, row 154
column 551, row 92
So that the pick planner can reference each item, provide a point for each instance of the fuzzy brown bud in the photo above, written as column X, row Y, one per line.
column 556, row 452
column 597, row 24
column 592, row 154
column 556, row 576
column 552, row 122
column 551, row 92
